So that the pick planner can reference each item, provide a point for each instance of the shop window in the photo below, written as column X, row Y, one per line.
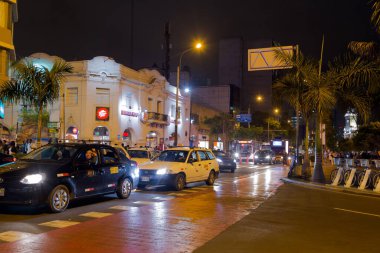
column 102, row 96
column 72, row 96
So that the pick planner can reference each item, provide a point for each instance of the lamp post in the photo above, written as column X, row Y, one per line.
column 197, row 46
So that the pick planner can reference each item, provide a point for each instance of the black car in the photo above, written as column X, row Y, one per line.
column 4, row 158
column 225, row 161
column 55, row 174
column 264, row 156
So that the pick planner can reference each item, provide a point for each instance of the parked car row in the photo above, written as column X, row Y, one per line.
column 55, row 174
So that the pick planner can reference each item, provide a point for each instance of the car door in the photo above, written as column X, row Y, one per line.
column 213, row 162
column 205, row 163
column 111, row 167
column 87, row 175
column 192, row 167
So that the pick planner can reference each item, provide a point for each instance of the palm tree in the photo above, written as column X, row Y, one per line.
column 317, row 91
column 35, row 85
column 291, row 87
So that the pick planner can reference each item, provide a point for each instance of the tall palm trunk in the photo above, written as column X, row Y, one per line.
column 306, row 172
column 318, row 175
column 39, row 126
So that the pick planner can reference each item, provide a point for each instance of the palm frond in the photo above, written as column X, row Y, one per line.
column 375, row 17
column 365, row 49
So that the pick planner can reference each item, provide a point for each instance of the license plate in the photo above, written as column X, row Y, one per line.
column 2, row 192
column 145, row 179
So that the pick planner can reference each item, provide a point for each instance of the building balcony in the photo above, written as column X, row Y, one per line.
column 154, row 117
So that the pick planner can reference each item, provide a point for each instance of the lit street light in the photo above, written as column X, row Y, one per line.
column 197, row 46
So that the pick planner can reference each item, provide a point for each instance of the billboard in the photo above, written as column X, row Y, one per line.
column 1, row 110
column 265, row 58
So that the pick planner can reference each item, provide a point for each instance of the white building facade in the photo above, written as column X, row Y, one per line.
column 104, row 100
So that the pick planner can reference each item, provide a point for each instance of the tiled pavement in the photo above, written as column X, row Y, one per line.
column 179, row 222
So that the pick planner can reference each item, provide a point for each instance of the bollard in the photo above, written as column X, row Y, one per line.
column 377, row 189
column 350, row 178
column 364, row 182
column 240, row 160
column 338, row 176
column 247, row 159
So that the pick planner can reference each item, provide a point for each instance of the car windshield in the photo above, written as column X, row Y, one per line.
column 220, row 154
column 172, row 156
column 264, row 153
column 52, row 153
column 138, row 153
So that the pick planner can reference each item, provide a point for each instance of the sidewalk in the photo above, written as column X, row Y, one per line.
column 300, row 218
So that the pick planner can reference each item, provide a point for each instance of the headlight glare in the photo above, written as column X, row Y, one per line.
column 32, row 179
column 219, row 160
column 267, row 157
column 256, row 156
column 161, row 171
column 236, row 154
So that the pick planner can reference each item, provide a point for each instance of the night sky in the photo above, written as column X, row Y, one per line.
column 83, row 29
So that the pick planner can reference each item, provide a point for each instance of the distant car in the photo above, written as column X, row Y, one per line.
column 225, row 161
column 122, row 151
column 264, row 156
column 141, row 155
column 4, row 159
column 178, row 166
column 57, row 173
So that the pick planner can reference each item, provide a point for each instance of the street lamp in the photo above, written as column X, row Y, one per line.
column 197, row 46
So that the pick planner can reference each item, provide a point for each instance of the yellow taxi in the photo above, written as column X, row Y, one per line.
column 176, row 167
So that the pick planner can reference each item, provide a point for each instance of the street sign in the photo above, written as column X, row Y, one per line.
column 244, row 118
column 53, row 124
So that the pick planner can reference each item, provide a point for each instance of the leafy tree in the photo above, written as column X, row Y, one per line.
column 29, row 122
column 368, row 137
column 222, row 124
column 34, row 85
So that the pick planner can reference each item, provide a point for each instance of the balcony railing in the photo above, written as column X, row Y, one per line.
column 154, row 117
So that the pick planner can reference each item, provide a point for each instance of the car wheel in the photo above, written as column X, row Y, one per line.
column 211, row 178
column 124, row 188
column 59, row 199
column 179, row 182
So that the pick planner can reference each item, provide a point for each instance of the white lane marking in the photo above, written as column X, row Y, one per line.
column 351, row 211
column 95, row 214
column 59, row 223
column 11, row 236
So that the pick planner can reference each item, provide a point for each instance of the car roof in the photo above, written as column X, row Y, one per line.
column 188, row 149
column 142, row 149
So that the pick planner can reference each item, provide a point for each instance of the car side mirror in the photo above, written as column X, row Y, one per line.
column 191, row 160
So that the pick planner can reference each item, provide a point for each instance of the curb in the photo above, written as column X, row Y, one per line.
column 328, row 187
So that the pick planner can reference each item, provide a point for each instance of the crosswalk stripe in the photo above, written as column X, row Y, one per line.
column 125, row 208
column 12, row 236
column 59, row 223
column 95, row 214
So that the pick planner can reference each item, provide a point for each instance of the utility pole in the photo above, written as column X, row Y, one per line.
column 167, row 48
column 132, row 31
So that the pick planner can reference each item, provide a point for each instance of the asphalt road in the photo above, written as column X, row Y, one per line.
column 299, row 219
column 25, row 219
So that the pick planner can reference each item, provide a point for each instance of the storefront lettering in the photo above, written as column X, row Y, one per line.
column 128, row 113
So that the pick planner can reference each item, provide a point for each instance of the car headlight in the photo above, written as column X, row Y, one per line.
column 161, row 171
column 289, row 158
column 267, row 157
column 236, row 154
column 219, row 160
column 32, row 179
column 256, row 156
column 136, row 172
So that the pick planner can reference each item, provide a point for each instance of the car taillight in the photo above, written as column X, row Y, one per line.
column 9, row 159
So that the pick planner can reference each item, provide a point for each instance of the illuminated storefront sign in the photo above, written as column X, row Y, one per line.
column 103, row 113
column 128, row 113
